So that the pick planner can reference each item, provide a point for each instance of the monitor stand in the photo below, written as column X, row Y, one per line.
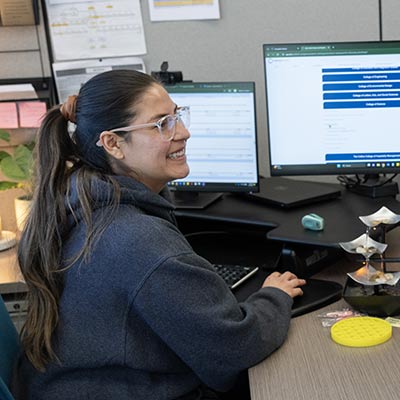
column 194, row 200
column 374, row 185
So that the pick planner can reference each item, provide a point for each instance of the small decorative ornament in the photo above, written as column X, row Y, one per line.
column 382, row 216
column 364, row 245
column 367, row 247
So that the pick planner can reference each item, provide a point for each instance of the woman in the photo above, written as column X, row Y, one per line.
column 120, row 305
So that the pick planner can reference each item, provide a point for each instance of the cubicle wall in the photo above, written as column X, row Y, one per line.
column 390, row 19
column 229, row 48
column 24, row 51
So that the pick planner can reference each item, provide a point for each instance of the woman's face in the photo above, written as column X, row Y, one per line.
column 153, row 161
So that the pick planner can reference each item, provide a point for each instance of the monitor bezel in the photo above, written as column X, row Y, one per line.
column 223, row 187
column 320, row 169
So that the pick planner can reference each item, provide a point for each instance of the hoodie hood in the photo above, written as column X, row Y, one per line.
column 132, row 193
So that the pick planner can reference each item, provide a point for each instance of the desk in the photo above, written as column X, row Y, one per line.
column 310, row 366
column 12, row 288
column 341, row 218
column 10, row 275
column 241, row 214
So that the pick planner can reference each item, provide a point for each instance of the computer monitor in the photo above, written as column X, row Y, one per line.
column 222, row 149
column 334, row 109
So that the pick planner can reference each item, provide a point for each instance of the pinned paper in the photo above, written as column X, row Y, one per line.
column 82, row 30
column 175, row 10
column 31, row 113
column 8, row 115
column 71, row 75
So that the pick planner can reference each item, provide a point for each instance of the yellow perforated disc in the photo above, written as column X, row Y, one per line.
column 361, row 331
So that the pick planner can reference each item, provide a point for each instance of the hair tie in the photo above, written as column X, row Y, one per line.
column 68, row 108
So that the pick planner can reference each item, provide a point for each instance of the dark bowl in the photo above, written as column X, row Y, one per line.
column 378, row 300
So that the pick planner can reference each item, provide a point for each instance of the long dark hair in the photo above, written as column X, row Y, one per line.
column 105, row 102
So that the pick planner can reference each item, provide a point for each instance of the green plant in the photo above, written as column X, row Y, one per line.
column 16, row 166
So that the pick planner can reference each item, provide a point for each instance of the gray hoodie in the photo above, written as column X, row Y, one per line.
column 146, row 318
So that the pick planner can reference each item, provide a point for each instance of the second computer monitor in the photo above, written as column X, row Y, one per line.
column 333, row 108
column 222, row 149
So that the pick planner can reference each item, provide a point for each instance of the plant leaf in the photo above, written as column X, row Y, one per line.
column 8, row 185
column 23, row 158
column 4, row 154
column 30, row 146
column 11, row 169
column 4, row 135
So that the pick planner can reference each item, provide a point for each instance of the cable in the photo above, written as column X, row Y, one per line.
column 350, row 182
column 388, row 180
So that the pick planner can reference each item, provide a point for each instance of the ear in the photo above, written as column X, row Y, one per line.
column 110, row 142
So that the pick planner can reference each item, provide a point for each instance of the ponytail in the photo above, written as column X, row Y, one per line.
column 40, row 246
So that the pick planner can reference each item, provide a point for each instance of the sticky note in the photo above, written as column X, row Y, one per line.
column 31, row 113
column 8, row 115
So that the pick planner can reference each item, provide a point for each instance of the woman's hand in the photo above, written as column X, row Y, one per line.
column 288, row 282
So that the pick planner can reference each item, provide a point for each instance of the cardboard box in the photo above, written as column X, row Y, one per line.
column 16, row 12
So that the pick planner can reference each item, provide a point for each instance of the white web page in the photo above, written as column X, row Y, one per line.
column 303, row 131
column 222, row 146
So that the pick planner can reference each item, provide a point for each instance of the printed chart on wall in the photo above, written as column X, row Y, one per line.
column 174, row 10
column 95, row 28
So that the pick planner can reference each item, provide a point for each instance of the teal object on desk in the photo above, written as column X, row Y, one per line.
column 313, row 222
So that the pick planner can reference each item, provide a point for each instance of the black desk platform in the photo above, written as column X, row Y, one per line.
column 341, row 218
column 255, row 249
column 251, row 220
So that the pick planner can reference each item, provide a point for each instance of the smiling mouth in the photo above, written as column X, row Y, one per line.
column 177, row 154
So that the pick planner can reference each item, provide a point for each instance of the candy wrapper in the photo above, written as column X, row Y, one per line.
column 394, row 321
column 330, row 317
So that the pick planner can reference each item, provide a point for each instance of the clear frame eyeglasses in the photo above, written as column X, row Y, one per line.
column 166, row 125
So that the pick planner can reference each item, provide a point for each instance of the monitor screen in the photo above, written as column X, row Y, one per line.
column 333, row 108
column 222, row 149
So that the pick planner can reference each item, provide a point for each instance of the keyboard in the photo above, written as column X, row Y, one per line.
column 234, row 275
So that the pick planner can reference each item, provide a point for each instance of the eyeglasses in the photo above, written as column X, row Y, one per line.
column 166, row 125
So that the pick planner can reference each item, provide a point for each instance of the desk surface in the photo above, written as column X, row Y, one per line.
column 10, row 275
column 310, row 366
column 341, row 217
